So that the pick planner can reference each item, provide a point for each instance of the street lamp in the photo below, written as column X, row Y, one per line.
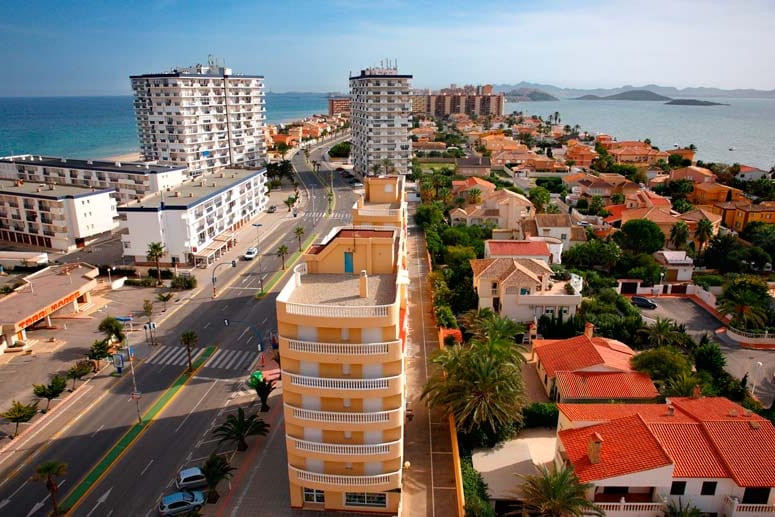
column 258, row 249
column 756, row 369
column 227, row 322
column 232, row 264
column 110, row 279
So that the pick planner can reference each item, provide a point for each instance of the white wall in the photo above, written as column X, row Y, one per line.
column 164, row 180
column 144, row 228
column 706, row 503
column 91, row 215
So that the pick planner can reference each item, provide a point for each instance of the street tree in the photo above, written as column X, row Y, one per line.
column 238, row 427
column 164, row 298
column 78, row 371
column 113, row 329
column 282, row 252
column 540, row 198
column 289, row 202
column 19, row 413
column 747, row 299
column 189, row 339
column 148, row 309
column 99, row 350
column 154, row 254
column 263, row 388
column 216, row 469
column 299, row 232
column 47, row 473
column 50, row 391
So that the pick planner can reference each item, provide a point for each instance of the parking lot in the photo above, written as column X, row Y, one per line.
column 683, row 310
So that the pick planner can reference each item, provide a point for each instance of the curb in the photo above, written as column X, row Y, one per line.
column 278, row 276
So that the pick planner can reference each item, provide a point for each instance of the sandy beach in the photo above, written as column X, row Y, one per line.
column 129, row 157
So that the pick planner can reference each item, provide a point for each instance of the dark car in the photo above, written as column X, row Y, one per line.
column 272, row 209
column 640, row 301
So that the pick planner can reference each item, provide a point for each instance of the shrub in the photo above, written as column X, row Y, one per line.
column 183, row 282
column 540, row 414
column 166, row 274
column 475, row 491
column 705, row 280
column 445, row 318
column 147, row 281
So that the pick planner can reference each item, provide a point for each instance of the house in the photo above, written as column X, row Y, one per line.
column 559, row 226
column 764, row 212
column 678, row 265
column 694, row 174
column 686, row 153
column 748, row 173
column 462, row 188
column 585, row 354
column 727, row 210
column 426, row 146
column 499, row 159
column 657, row 215
column 707, row 193
column 501, row 208
column 523, row 249
column 638, row 154
column 522, row 289
column 475, row 166
column 497, row 143
column 643, row 198
column 585, row 387
column 700, row 212
column 582, row 155
column 709, row 451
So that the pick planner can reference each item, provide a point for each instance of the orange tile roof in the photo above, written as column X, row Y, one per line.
column 616, row 213
column 691, row 450
column 651, row 413
column 713, row 409
column 618, row 454
column 511, row 248
column 605, row 385
column 578, row 353
column 747, row 449
column 553, row 220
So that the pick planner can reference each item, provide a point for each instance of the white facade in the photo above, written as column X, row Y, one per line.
column 56, row 217
column 129, row 180
column 196, row 220
column 202, row 117
column 381, row 118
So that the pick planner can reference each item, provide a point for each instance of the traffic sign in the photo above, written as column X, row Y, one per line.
column 135, row 395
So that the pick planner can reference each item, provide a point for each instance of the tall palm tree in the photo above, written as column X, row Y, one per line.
column 189, row 339
column 703, row 233
column 154, row 253
column 299, row 232
column 679, row 234
column 557, row 493
column 282, row 252
column 237, row 428
column 375, row 169
column 745, row 307
column 263, row 389
column 216, row 469
column 47, row 473
column 387, row 165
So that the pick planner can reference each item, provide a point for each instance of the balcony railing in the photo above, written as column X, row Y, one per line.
column 337, row 449
column 390, row 479
column 342, row 348
column 328, row 311
column 657, row 508
column 734, row 508
column 344, row 417
column 336, row 383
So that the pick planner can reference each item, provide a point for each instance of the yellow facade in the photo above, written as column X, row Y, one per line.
column 383, row 204
column 342, row 327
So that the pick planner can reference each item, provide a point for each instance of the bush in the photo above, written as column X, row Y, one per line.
column 183, row 282
column 706, row 280
column 540, row 414
column 474, row 491
column 445, row 318
column 340, row 150
column 166, row 274
column 148, row 281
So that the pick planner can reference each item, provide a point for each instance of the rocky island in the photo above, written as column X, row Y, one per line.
column 694, row 102
column 632, row 95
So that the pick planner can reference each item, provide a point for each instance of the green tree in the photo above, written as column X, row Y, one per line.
column 747, row 299
column 263, row 389
column 164, row 298
column 428, row 215
column 678, row 509
column 50, row 391
column 661, row 364
column 216, row 469
column 617, row 198
column 682, row 206
column 679, row 234
column 540, row 198
column 148, row 309
column 703, row 233
column 595, row 205
column 78, row 371
column 154, row 254
column 709, row 357
column 99, row 350
column 113, row 329
column 299, row 232
column 640, row 236
column 282, row 252
column 682, row 385
column 289, row 202
column 557, row 493
column 474, row 196
column 19, row 413
column 661, row 333
column 238, row 427
column 47, row 473
column 189, row 339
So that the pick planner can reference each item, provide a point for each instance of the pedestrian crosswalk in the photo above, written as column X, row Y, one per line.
column 343, row 215
column 224, row 359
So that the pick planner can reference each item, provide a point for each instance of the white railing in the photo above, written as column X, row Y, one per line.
column 338, row 311
column 733, row 507
column 341, row 417
column 379, row 212
column 632, row 507
column 341, row 348
column 391, row 478
column 343, row 449
column 336, row 383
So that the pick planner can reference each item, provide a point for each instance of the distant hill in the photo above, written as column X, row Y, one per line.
column 529, row 95
column 669, row 91
column 694, row 102
column 632, row 95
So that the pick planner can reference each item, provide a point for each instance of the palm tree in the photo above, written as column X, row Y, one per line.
column 237, row 428
column 189, row 339
column 387, row 165
column 51, row 390
column 679, row 234
column 746, row 308
column 113, row 329
column 682, row 385
column 216, row 469
column 155, row 252
column 375, row 169
column 703, row 233
column 20, row 413
column 47, row 473
column 680, row 510
column 474, row 196
column 263, row 389
column 299, row 232
column 557, row 493
column 661, row 333
column 289, row 202
column 282, row 252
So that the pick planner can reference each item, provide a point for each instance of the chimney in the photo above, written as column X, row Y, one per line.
column 595, row 448
column 589, row 330
column 364, row 284
column 696, row 393
column 670, row 410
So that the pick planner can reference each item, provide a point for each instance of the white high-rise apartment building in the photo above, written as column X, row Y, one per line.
column 381, row 118
column 203, row 117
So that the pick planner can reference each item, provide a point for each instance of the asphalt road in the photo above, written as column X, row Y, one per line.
column 180, row 434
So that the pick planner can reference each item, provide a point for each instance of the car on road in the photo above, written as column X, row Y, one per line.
column 190, row 478
column 181, row 502
column 272, row 209
column 640, row 301
column 356, row 184
column 250, row 253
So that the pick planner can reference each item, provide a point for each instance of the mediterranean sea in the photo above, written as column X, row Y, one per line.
column 98, row 127
column 747, row 125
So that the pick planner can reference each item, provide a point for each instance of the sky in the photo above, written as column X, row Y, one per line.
column 68, row 47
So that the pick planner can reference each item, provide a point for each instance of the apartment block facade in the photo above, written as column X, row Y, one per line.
column 381, row 118
column 196, row 220
column 342, row 326
column 54, row 217
column 382, row 204
column 338, row 106
column 129, row 181
column 203, row 117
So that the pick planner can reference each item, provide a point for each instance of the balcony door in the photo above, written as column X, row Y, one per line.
column 313, row 434
column 756, row 495
column 348, row 262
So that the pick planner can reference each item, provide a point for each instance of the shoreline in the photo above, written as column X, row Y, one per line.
column 127, row 157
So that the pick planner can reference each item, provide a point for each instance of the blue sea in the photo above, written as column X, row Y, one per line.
column 98, row 127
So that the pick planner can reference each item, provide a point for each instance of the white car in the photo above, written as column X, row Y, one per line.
column 250, row 253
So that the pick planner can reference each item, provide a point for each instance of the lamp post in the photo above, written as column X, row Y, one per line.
column 258, row 249
column 757, row 366
column 232, row 264
column 227, row 322
column 110, row 279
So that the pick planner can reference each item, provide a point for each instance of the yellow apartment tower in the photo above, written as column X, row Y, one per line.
column 342, row 324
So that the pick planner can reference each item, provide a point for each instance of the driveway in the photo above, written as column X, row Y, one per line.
column 739, row 360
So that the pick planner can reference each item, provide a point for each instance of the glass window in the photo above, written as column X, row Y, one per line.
column 314, row 496
column 365, row 499
column 708, row 488
column 678, row 488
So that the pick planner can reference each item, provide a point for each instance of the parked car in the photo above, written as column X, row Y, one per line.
column 356, row 184
column 640, row 301
column 272, row 209
column 250, row 253
column 190, row 478
column 181, row 502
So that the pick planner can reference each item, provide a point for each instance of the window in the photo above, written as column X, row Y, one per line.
column 678, row 488
column 708, row 488
column 365, row 499
column 127, row 245
column 524, row 290
column 314, row 496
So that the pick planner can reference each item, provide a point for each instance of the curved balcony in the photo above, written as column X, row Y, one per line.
column 360, row 352
column 340, row 483
column 343, row 387
column 372, row 420
column 361, row 452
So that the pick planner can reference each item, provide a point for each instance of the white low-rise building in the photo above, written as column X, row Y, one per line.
column 196, row 220
column 129, row 180
column 55, row 217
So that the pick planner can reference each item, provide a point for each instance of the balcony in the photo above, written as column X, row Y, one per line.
column 341, row 483
column 633, row 509
column 380, row 387
column 336, row 419
column 363, row 352
column 360, row 452
column 733, row 508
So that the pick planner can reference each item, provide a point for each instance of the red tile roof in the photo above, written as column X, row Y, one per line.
column 618, row 455
column 581, row 352
column 706, row 409
column 747, row 449
column 513, row 248
column 605, row 386
column 604, row 412
column 691, row 450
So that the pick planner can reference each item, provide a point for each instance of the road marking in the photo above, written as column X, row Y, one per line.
column 101, row 500
column 243, row 333
column 206, row 325
column 98, row 430
column 195, row 406
column 265, row 320
column 224, row 307
column 7, row 500
column 146, row 467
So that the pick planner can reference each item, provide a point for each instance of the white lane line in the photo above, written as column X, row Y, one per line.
column 154, row 354
column 166, row 354
column 146, row 467
column 97, row 431
column 235, row 356
column 243, row 333
column 215, row 358
column 225, row 307
column 196, row 406
column 206, row 325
